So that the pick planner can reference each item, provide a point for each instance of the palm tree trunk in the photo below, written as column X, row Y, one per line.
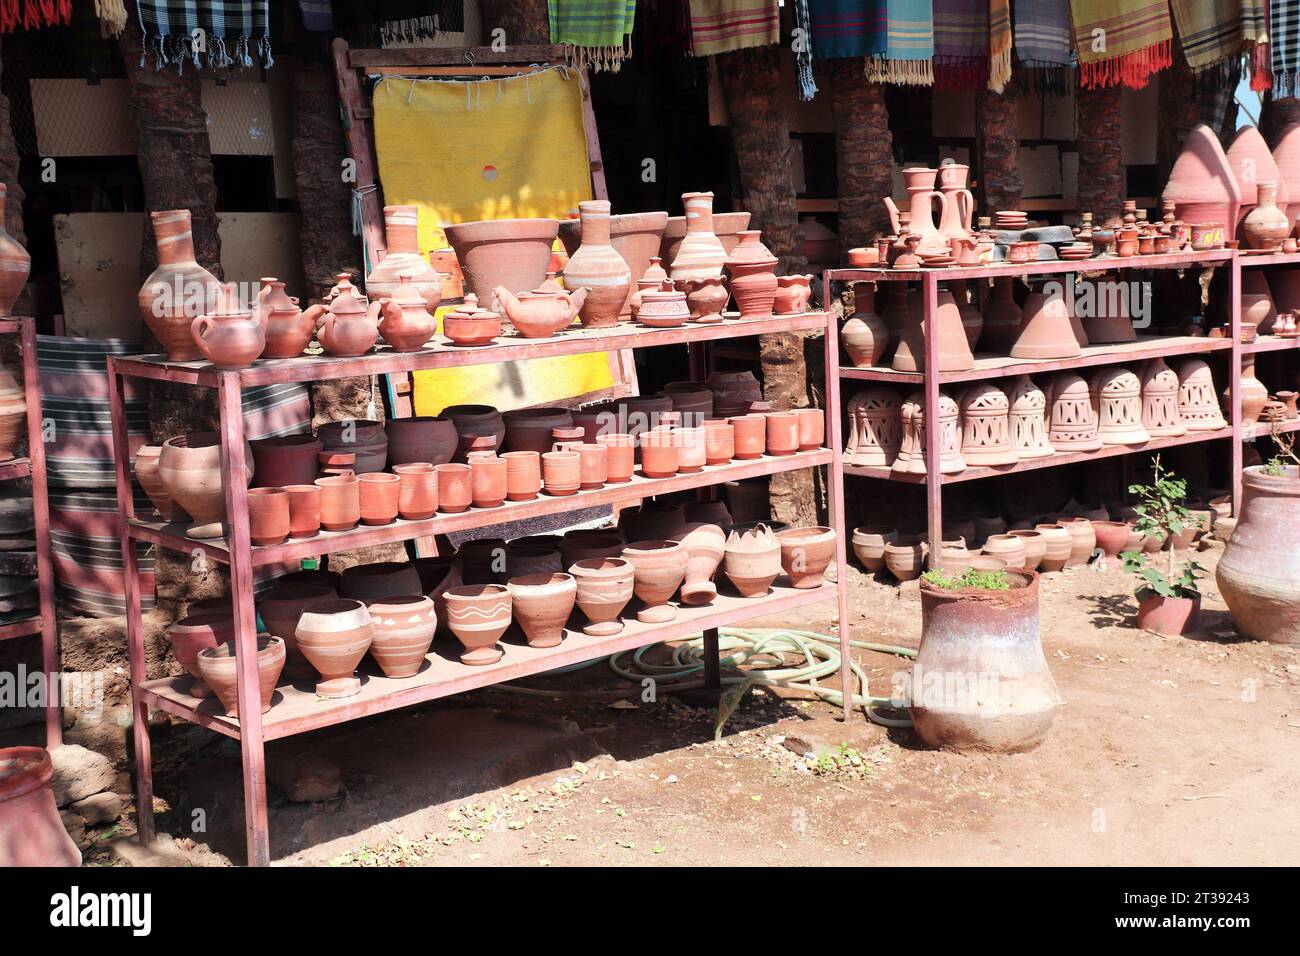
column 1101, row 172
column 864, row 152
column 998, row 145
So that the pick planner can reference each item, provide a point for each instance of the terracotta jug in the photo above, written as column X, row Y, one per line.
column 753, row 276
column 701, row 254
column 705, row 544
column 229, row 340
column 1202, row 185
column 179, row 290
column 959, row 204
column 541, row 313
column 402, row 257
column 346, row 326
column 15, row 266
column 1254, row 395
column 598, row 268
column 1266, row 225
column 404, row 319
column 921, row 196
column 288, row 329
column 864, row 335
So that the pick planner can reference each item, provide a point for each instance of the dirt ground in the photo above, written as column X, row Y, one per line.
column 1166, row 751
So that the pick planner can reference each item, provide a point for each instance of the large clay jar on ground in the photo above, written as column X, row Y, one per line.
column 752, row 561
column 1083, row 540
column 805, row 553
column 402, row 258
column 402, row 630
column 513, row 253
column 478, row 614
column 33, row 831
column 700, row 255
column 954, row 351
column 992, row 634
column 280, row 608
column 366, row 439
column 404, row 320
column 190, row 469
column 705, row 546
column 542, row 604
column 334, row 635
column 288, row 329
column 481, row 428
column 598, row 268
column 529, row 429
column 285, row 460
column 604, row 586
column 218, row 667
column 660, row 568
column 192, row 634
column 179, row 290
column 753, row 276
column 424, row 438
column 1202, row 185
column 1259, row 573
column 1057, row 546
column 905, row 557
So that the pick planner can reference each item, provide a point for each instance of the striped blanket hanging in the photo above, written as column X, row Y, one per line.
column 999, row 44
column 1121, row 42
column 1284, row 43
column 1042, row 29
column 909, row 45
column 1212, row 32
column 847, row 28
column 595, row 33
column 723, row 26
column 961, row 44
column 233, row 33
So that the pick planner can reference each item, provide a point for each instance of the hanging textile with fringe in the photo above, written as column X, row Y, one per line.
column 596, row 34
column 999, row 44
column 235, row 33
column 847, row 28
column 804, row 51
column 34, row 14
column 1284, row 39
column 385, row 22
column 1121, row 42
column 112, row 16
column 909, row 45
column 961, row 44
column 1042, row 29
column 1212, row 32
column 721, row 26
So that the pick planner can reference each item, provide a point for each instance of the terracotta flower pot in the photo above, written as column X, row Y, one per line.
column 869, row 544
column 365, row 439
column 792, row 294
column 285, row 460
column 561, row 472
column 542, row 604
column 719, row 443
column 426, row 438
column 455, row 487
column 752, row 561
column 190, row 468
column 1057, row 543
column 660, row 568
column 523, row 475
column 487, row 481
column 340, row 502
column 705, row 544
column 1083, row 541
column 481, row 428
column 620, row 457
column 905, row 557
column 1112, row 536
column 529, row 429
column 812, row 428
column 1034, row 544
column 1008, row 547
column 750, row 436
column 782, row 433
column 658, row 454
column 478, row 614
column 691, row 450
column 417, row 490
column 805, row 553
column 217, row 667
column 334, row 636
column 402, row 630
column 29, row 817
column 268, row 516
column 192, row 634
column 280, row 608
column 604, row 586
column 173, row 295
column 1167, row 616
column 379, row 497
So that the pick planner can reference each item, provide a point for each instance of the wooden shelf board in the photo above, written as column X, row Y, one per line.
column 23, row 628
column 1271, row 343
column 15, row 468
column 1211, row 257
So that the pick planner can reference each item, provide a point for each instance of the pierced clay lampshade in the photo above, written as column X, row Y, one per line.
column 954, row 350
column 1046, row 331
column 1107, row 315
column 1028, row 419
column 985, row 426
column 1117, row 398
column 1201, row 184
column 1198, row 402
column 911, row 456
column 1073, row 424
column 875, row 427
column 1251, row 164
column 1160, row 401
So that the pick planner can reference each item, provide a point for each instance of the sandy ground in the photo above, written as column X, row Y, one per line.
column 1166, row 751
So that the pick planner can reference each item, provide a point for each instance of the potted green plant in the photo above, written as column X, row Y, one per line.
column 1169, row 601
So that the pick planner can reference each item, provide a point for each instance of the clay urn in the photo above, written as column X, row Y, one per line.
column 1202, row 185
column 218, row 669
column 479, row 614
column 1259, row 572
column 417, row 490
column 29, row 816
column 379, row 495
column 1008, row 547
column 1266, row 225
column 363, row 438
column 542, row 604
column 171, row 298
column 705, row 298
column 792, row 294
column 229, row 339
column 864, row 335
column 280, row 608
column 805, row 554
column 402, row 258
column 487, row 480
column 705, row 546
column 194, row 632
column 340, row 502
column 481, row 428
column 660, row 568
column 334, row 635
column 1083, row 540
column 423, row 438
column 954, row 349
column 752, row 268
column 700, row 253
column 598, row 268
column 268, row 516
column 190, row 469
column 869, row 544
column 287, row 328
column 752, row 561
column 146, row 472
column 347, row 326
column 404, row 318
column 285, row 460
column 470, row 325
column 455, row 487
column 513, row 253
column 604, row 587
column 402, row 630
column 905, row 557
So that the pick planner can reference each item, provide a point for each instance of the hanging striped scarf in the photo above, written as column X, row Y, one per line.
column 721, row 26
column 1043, row 44
column 595, row 33
column 1121, row 42
column 803, row 50
column 847, row 28
column 961, row 44
column 999, row 44
column 909, row 45
column 1284, row 39
column 34, row 14
column 234, row 32
column 1215, row 31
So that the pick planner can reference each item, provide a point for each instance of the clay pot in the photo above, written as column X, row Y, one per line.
column 542, row 604
column 705, row 546
column 994, row 634
column 869, row 545
column 812, row 428
column 361, row 437
column 1254, row 395
column 478, row 614
column 620, row 457
column 402, row 259
column 658, row 453
column 561, row 472
column 522, row 560
column 1008, row 547
column 663, row 308
column 752, row 561
column 285, row 460
column 334, row 636
column 402, row 630
column 753, row 276
column 694, row 400
column 864, row 335
column 1058, row 545
column 190, row 469
column 1083, row 541
column 905, row 557
column 513, row 253
column 1259, row 573
column 146, row 472
column 1002, row 318
column 469, row 326
column 598, row 268
column 691, row 451
column 378, row 580
column 523, row 475
column 1252, row 166
column 660, row 568
column 954, row 351
column 1034, row 544
column 1266, row 225
column 229, row 341
column 733, row 392
column 29, row 817
column 700, row 254
column 782, row 433
column 749, row 434
column 268, row 516
column 340, row 502
column 529, row 429
column 173, row 295
column 707, row 512
column 217, row 667
column 288, row 330
column 487, row 481
column 346, row 326
column 593, row 465
column 575, row 548
column 481, row 428
column 719, row 443
column 1047, row 330
column 194, row 632
column 280, row 608
column 379, row 497
column 792, row 294
column 455, row 487
column 404, row 320
column 417, row 491
column 706, row 298
column 1112, row 536
column 805, row 553
column 604, row 586
column 1167, row 616
column 635, row 236
column 652, row 521
column 1201, row 183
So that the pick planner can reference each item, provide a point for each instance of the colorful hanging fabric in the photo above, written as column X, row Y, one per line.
column 803, row 50
column 721, row 26
column 999, row 44
column 34, row 14
column 1121, row 42
column 1284, row 40
column 1261, row 73
column 847, row 28
column 1042, row 29
column 112, row 16
column 961, row 44
column 909, row 45
column 1214, row 31
column 596, row 33
column 235, row 33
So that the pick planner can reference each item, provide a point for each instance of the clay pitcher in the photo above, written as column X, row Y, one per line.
column 179, row 290
column 229, row 341
column 598, row 268
column 959, row 206
column 404, row 320
column 346, row 327
column 541, row 313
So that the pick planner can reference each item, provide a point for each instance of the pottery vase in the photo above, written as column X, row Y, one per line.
column 177, row 291
column 280, row 608
column 705, row 546
column 604, row 587
column 1254, row 394
column 1259, row 572
column 792, row 294
column 190, row 469
column 660, row 568
column 402, row 258
column 864, row 335
column 1266, row 225
column 752, row 268
column 700, row 254
column 479, row 614
column 542, row 604
column 402, row 630
column 598, row 268
column 752, row 561
column 706, row 298
column 219, row 670
column 334, row 635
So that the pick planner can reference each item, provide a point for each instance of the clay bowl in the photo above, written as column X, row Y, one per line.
column 217, row 667
column 805, row 553
column 542, row 604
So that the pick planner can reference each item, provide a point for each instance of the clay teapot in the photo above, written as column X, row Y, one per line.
column 288, row 329
column 405, row 322
column 230, row 336
column 346, row 327
column 541, row 313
